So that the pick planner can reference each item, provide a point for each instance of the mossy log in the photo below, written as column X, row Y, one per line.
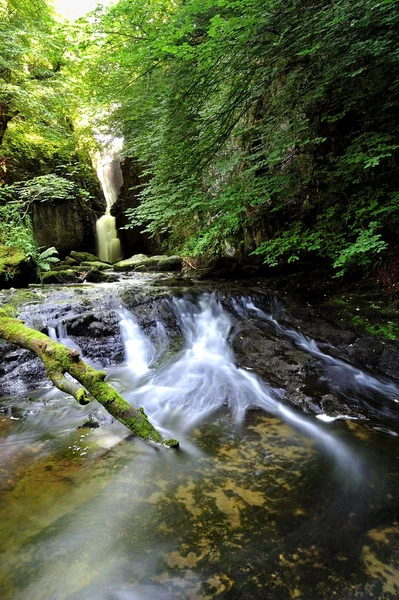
column 88, row 383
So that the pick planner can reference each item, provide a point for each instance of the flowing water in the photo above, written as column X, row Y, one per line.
column 257, row 504
column 110, row 175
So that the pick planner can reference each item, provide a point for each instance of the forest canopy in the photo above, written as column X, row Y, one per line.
column 261, row 127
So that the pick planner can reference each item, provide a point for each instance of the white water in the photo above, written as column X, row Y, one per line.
column 111, row 179
column 108, row 243
column 139, row 351
column 203, row 377
column 341, row 376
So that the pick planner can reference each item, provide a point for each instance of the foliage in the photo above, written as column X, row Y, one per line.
column 16, row 233
column 269, row 126
column 45, row 188
column 44, row 261
column 388, row 330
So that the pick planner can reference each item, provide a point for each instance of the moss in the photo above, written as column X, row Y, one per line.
column 58, row 359
column 15, row 267
column 81, row 397
column 84, row 257
column 20, row 297
column 171, row 443
column 375, row 315
column 388, row 330
column 67, row 276
column 7, row 310
column 10, row 258
column 95, row 264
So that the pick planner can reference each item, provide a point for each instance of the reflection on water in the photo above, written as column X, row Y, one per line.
column 264, row 504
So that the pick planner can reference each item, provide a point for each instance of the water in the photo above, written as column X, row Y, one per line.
column 259, row 504
column 342, row 378
column 111, row 179
column 108, row 243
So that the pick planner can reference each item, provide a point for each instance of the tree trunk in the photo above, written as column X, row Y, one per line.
column 88, row 383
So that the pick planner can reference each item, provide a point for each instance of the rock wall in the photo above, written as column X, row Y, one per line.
column 132, row 240
column 66, row 225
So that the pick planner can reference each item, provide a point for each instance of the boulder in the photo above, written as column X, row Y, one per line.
column 70, row 261
column 84, row 257
column 130, row 264
column 67, row 276
column 15, row 268
column 96, row 276
column 143, row 263
column 100, row 266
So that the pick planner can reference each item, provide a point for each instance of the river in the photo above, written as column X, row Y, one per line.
column 261, row 501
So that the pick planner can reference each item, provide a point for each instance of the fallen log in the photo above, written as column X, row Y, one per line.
column 88, row 384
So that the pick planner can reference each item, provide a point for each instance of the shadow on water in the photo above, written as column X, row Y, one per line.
column 262, row 504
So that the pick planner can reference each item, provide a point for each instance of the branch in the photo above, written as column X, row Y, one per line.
column 89, row 384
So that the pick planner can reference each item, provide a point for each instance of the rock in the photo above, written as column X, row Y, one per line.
column 84, row 257
column 130, row 264
column 389, row 361
column 100, row 266
column 70, row 261
column 333, row 407
column 66, row 267
column 367, row 351
column 170, row 263
column 96, row 276
column 177, row 281
column 142, row 263
column 66, row 224
column 67, row 276
column 15, row 268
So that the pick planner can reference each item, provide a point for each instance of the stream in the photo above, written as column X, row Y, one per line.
column 263, row 500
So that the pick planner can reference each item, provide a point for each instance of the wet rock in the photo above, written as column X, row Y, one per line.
column 312, row 368
column 19, row 369
column 130, row 264
column 143, row 263
column 96, row 276
column 389, row 361
column 65, row 267
column 367, row 351
column 67, row 276
column 100, row 266
column 306, row 403
column 84, row 257
column 16, row 269
column 99, row 323
column 96, row 418
column 70, row 261
column 170, row 263
column 178, row 281
column 333, row 407
column 274, row 358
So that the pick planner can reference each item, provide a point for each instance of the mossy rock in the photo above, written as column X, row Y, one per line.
column 170, row 263
column 96, row 276
column 66, row 267
column 70, row 261
column 67, row 276
column 81, row 257
column 100, row 266
column 15, row 267
column 130, row 264
column 142, row 263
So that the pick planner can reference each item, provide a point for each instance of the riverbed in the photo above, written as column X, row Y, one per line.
column 272, row 494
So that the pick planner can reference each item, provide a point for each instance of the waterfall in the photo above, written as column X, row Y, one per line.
column 110, row 175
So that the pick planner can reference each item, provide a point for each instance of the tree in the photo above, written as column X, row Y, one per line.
column 265, row 125
column 87, row 384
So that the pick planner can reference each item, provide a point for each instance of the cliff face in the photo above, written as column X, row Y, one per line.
column 133, row 240
column 66, row 225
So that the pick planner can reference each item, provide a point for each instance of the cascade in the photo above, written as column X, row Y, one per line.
column 111, row 179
